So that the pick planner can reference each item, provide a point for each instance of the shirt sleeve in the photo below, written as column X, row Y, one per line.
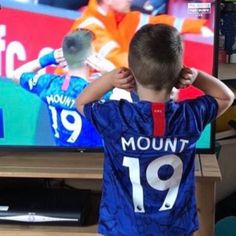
column 35, row 83
column 103, row 115
column 205, row 109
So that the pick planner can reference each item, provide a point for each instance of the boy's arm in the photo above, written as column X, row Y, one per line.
column 210, row 85
column 120, row 78
column 32, row 66
column 54, row 57
column 215, row 88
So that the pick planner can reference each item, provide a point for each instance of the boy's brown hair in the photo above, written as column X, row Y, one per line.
column 155, row 56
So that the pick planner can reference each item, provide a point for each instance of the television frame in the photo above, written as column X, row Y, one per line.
column 73, row 15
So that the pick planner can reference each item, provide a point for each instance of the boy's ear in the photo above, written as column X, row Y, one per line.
column 177, row 84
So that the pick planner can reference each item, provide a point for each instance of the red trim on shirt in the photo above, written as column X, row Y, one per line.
column 159, row 119
column 66, row 83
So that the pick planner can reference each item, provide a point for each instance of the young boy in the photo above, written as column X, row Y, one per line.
column 60, row 91
column 148, row 187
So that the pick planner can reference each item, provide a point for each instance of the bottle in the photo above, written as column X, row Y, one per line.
column 221, row 50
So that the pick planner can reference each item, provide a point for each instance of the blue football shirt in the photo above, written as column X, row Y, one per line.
column 149, row 183
column 68, row 126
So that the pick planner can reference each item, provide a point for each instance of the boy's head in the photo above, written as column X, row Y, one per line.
column 155, row 56
column 77, row 46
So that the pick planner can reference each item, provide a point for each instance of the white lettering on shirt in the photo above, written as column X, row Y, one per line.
column 145, row 143
column 61, row 99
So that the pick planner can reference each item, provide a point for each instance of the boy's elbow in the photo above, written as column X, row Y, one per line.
column 225, row 103
column 231, row 97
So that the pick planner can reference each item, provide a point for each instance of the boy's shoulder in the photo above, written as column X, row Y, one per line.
column 204, row 108
column 205, row 99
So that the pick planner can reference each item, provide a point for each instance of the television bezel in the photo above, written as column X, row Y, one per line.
column 29, row 148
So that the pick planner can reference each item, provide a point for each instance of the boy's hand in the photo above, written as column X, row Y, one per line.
column 187, row 77
column 99, row 63
column 59, row 57
column 123, row 79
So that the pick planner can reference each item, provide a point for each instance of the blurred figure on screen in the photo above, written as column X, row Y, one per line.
column 152, row 7
column 114, row 25
column 68, row 4
column 60, row 91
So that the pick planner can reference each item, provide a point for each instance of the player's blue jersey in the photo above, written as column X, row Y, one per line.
column 69, row 127
column 148, row 187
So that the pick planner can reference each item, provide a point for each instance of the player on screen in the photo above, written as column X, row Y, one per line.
column 59, row 91
column 150, row 145
column 114, row 25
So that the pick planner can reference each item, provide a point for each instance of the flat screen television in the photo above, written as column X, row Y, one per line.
column 28, row 30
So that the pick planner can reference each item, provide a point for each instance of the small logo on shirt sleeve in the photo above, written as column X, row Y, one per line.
column 33, row 82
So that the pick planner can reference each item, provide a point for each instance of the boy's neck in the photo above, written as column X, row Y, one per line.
column 146, row 94
column 81, row 72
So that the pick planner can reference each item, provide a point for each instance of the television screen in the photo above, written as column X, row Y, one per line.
column 29, row 29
